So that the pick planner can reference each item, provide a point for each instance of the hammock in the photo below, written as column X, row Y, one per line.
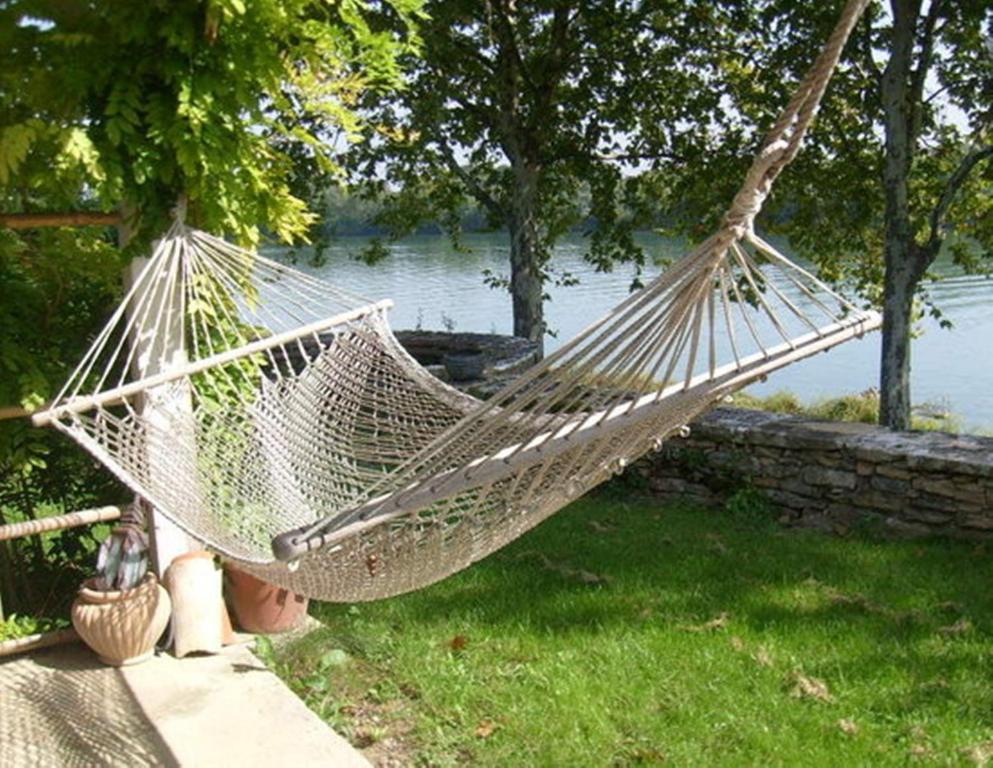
column 277, row 419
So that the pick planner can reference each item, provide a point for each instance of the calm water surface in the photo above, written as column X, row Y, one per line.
column 436, row 287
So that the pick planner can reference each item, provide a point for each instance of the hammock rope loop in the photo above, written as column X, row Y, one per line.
column 784, row 140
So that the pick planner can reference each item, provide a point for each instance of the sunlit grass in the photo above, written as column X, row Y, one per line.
column 862, row 407
column 624, row 632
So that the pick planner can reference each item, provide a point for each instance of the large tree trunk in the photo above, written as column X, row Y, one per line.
column 898, row 309
column 901, row 252
column 526, row 259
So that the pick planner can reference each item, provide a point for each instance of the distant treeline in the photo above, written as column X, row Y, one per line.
column 347, row 215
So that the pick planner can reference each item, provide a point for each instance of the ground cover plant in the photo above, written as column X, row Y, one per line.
column 623, row 632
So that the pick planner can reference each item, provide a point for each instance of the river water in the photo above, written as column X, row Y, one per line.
column 436, row 287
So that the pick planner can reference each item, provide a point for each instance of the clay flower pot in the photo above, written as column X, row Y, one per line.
column 122, row 626
column 260, row 607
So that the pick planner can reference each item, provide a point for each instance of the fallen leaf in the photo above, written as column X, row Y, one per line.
column 980, row 754
column 804, row 687
column 960, row 627
column 599, row 527
column 848, row 726
column 950, row 606
column 333, row 658
column 717, row 544
column 588, row 577
column 720, row 622
column 485, row 729
column 458, row 643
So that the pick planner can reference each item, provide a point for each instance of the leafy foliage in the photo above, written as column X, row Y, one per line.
column 211, row 99
column 843, row 233
column 539, row 112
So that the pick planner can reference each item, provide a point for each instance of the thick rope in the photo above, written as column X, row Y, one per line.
column 785, row 138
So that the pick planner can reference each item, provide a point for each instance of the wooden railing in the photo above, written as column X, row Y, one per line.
column 34, row 528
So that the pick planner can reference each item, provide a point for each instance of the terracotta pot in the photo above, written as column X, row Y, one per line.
column 122, row 626
column 261, row 607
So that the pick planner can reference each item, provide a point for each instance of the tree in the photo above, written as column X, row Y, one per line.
column 216, row 100
column 535, row 110
column 897, row 168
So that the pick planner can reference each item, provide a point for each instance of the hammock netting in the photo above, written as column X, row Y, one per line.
column 277, row 419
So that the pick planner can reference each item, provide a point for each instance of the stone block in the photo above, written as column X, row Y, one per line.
column 977, row 522
column 831, row 461
column 890, row 485
column 906, row 529
column 844, row 514
column 943, row 503
column 796, row 485
column 865, row 468
column 945, row 486
column 831, row 477
column 894, row 471
column 877, row 500
column 928, row 516
column 787, row 499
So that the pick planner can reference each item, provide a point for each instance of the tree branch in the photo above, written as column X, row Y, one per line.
column 919, row 75
column 66, row 219
column 476, row 189
column 954, row 184
column 865, row 25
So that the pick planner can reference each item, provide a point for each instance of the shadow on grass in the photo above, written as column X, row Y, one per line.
column 606, row 563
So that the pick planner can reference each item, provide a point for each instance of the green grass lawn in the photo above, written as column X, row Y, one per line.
column 628, row 633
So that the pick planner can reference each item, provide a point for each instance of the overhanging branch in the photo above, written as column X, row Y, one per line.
column 953, row 185
column 476, row 189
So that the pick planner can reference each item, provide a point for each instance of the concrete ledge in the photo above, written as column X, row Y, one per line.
column 61, row 707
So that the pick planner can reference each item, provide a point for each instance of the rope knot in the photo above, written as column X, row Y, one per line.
column 740, row 218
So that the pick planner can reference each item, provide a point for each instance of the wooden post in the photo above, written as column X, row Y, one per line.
column 167, row 540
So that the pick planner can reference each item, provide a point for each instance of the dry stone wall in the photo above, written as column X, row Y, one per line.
column 831, row 475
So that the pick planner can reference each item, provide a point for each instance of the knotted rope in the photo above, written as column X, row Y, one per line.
column 783, row 141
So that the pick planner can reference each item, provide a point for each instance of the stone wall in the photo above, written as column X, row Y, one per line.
column 834, row 476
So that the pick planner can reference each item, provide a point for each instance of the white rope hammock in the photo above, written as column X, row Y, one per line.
column 277, row 419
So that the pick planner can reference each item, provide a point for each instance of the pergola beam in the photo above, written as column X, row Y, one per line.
column 60, row 219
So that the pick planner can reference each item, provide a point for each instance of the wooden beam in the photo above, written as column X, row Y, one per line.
column 58, row 522
column 62, row 219
column 13, row 412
